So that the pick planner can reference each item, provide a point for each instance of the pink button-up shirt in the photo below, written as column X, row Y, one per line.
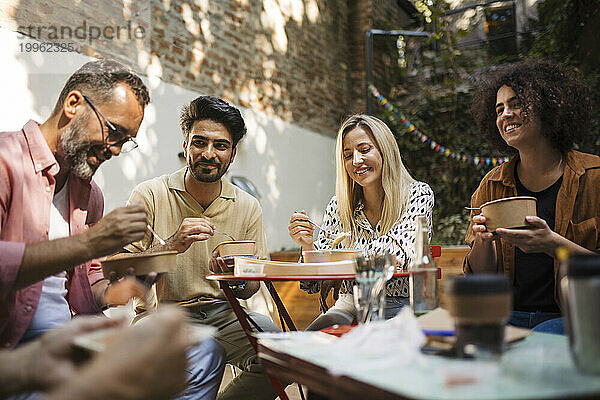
column 27, row 170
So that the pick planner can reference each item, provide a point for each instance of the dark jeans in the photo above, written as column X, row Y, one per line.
column 547, row 322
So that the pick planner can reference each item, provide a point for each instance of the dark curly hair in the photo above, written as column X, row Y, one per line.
column 552, row 92
column 214, row 109
column 97, row 79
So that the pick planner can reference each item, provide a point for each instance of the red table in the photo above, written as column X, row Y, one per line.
column 284, row 316
column 286, row 321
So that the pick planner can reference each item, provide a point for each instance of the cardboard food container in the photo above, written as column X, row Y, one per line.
column 317, row 256
column 236, row 248
column 509, row 212
column 143, row 264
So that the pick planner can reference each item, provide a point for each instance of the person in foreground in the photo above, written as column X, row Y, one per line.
column 186, row 206
column 48, row 201
column 126, row 370
column 376, row 201
column 536, row 111
column 51, row 225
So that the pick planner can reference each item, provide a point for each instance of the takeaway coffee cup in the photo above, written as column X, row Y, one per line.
column 580, row 291
column 481, row 306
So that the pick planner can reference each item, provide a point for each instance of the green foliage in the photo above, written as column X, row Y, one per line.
column 571, row 36
column 437, row 101
column 451, row 227
column 571, row 33
column 435, row 94
column 446, row 118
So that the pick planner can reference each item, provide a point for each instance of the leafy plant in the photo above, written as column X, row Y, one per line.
column 435, row 95
column 435, row 91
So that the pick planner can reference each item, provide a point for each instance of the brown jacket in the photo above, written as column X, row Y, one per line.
column 577, row 206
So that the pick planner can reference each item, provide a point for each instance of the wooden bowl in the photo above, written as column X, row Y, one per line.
column 143, row 264
column 509, row 212
column 317, row 256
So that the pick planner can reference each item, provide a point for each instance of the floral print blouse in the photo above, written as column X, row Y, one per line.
column 399, row 241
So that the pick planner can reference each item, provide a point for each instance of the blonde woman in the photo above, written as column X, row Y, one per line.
column 376, row 201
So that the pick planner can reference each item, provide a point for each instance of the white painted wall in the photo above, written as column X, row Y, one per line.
column 291, row 167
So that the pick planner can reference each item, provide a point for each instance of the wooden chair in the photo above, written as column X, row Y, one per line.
column 450, row 263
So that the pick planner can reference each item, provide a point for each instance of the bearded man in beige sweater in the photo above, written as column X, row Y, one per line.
column 187, row 206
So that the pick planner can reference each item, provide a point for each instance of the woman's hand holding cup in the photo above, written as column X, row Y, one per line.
column 480, row 230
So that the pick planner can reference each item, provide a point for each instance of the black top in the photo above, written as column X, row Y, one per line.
column 534, row 272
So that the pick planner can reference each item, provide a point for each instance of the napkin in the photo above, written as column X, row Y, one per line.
column 395, row 342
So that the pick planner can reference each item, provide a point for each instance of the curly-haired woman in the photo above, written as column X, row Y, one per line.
column 377, row 202
column 536, row 111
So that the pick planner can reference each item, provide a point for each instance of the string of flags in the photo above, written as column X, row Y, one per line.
column 437, row 147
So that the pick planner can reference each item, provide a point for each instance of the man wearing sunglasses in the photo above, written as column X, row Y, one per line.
column 51, row 225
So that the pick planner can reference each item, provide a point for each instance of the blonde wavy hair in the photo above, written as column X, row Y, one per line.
column 395, row 178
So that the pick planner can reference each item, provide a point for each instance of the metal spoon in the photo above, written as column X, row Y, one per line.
column 327, row 234
column 224, row 234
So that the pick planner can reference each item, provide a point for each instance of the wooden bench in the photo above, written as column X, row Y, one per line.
column 450, row 262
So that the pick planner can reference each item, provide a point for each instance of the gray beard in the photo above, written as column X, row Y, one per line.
column 75, row 150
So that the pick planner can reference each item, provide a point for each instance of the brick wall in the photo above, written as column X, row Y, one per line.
column 301, row 60
column 93, row 27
